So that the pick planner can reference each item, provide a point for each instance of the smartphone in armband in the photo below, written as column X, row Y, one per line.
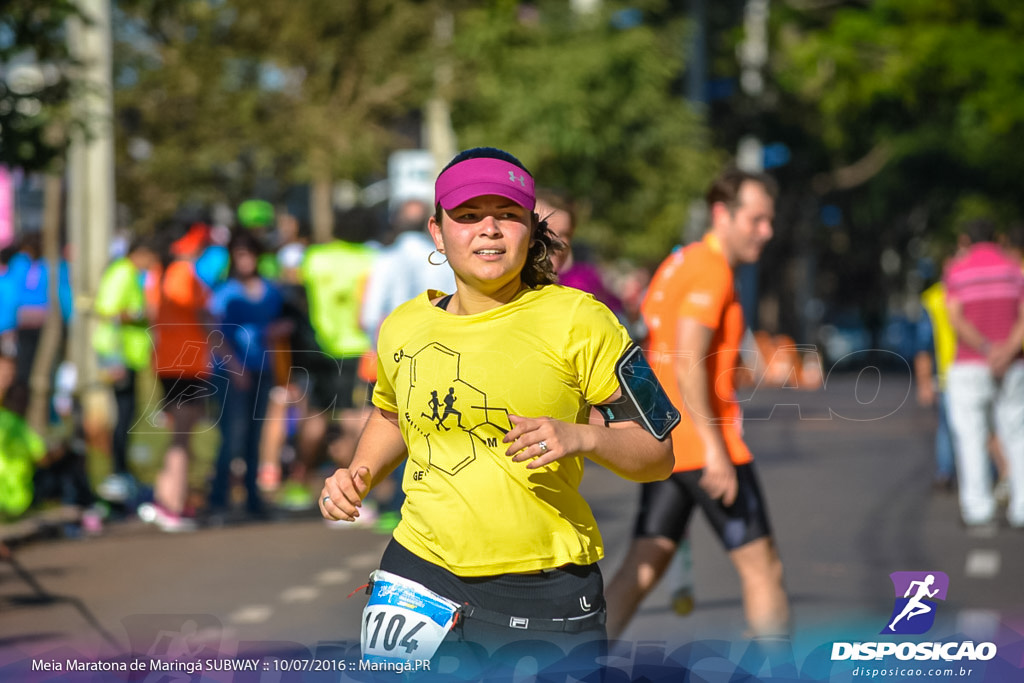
column 643, row 399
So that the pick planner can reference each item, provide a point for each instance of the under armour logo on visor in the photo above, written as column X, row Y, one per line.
column 512, row 178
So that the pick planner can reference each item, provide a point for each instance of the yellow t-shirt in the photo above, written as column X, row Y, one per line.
column 934, row 301
column 454, row 380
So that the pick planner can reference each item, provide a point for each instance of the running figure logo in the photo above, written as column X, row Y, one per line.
column 449, row 409
column 445, row 406
column 913, row 612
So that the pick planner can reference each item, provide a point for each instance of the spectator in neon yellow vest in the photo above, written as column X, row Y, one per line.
column 936, row 350
column 121, row 340
column 21, row 450
column 335, row 276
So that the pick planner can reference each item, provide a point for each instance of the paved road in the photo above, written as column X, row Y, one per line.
column 846, row 470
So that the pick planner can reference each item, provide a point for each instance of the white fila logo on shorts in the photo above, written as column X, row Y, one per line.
column 585, row 605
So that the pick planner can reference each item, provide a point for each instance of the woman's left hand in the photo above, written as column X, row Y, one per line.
column 542, row 440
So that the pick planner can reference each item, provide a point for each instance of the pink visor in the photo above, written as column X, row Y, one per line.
column 476, row 177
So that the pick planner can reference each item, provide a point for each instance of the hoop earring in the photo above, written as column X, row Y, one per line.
column 431, row 261
column 544, row 254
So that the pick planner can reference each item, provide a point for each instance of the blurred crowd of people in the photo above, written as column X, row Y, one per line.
column 970, row 368
column 250, row 329
column 270, row 339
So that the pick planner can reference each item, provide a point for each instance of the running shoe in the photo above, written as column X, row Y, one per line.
column 92, row 520
column 682, row 601
column 295, row 496
column 155, row 514
column 681, row 570
column 116, row 488
column 387, row 521
column 1001, row 492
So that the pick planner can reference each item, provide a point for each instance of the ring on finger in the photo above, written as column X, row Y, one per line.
column 325, row 500
column 543, row 446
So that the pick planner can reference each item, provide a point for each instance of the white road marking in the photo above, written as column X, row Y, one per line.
column 333, row 577
column 300, row 594
column 979, row 624
column 253, row 614
column 213, row 634
column 982, row 531
column 983, row 564
column 364, row 559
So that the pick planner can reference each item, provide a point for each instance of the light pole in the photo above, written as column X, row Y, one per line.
column 753, row 56
column 437, row 124
column 90, row 212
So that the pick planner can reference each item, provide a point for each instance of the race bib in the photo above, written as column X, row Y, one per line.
column 403, row 620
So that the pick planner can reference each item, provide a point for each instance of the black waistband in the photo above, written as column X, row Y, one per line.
column 578, row 624
column 567, row 625
column 570, row 591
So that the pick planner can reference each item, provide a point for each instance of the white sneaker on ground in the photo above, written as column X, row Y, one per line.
column 115, row 488
column 152, row 513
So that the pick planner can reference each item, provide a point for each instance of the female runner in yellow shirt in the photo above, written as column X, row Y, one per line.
column 493, row 520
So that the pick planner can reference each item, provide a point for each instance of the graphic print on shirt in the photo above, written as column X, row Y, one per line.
column 440, row 404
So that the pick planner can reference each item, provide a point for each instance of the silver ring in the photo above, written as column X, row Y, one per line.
column 543, row 446
column 325, row 500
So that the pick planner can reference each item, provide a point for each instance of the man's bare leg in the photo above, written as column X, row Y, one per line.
column 645, row 563
column 765, row 603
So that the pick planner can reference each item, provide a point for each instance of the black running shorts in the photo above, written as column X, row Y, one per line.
column 571, row 591
column 666, row 507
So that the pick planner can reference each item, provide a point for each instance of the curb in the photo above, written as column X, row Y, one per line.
column 39, row 523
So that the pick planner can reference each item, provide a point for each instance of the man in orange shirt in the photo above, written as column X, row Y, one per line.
column 696, row 326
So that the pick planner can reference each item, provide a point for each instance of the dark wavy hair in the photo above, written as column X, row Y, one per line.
column 538, row 270
column 243, row 238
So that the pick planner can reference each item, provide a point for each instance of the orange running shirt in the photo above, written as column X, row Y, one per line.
column 697, row 282
column 179, row 337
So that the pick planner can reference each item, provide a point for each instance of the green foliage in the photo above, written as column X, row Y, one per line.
column 35, row 87
column 590, row 109
column 932, row 80
column 226, row 93
column 969, row 207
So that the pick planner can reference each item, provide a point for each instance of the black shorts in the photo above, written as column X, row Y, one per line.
column 666, row 507
column 567, row 592
column 335, row 385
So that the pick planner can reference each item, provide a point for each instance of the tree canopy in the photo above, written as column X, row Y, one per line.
column 922, row 97
column 35, row 82
column 591, row 108
column 213, row 96
column 900, row 115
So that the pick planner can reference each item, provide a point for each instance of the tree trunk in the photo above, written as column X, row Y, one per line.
column 49, row 342
column 322, row 209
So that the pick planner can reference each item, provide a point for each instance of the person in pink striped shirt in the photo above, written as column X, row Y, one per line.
column 985, row 297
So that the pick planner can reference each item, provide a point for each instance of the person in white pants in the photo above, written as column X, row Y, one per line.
column 985, row 295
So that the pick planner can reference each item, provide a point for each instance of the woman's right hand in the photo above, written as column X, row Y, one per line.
column 343, row 493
